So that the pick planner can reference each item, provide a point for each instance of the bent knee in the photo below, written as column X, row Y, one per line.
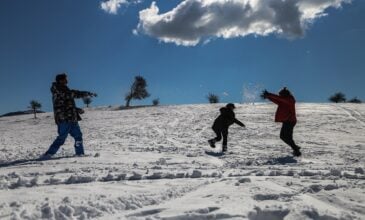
column 283, row 137
column 218, row 138
column 60, row 141
column 77, row 137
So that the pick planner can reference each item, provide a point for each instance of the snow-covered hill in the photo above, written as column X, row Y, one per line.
column 150, row 163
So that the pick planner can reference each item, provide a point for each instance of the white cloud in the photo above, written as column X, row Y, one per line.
column 193, row 21
column 112, row 6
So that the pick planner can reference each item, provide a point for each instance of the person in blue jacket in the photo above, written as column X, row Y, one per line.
column 66, row 115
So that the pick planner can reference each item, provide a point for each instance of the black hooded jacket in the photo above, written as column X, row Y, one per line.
column 64, row 106
column 225, row 119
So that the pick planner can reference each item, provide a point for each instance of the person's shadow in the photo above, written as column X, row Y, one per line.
column 29, row 161
column 272, row 161
column 214, row 154
column 281, row 160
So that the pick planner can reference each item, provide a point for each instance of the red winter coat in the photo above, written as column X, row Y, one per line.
column 286, row 108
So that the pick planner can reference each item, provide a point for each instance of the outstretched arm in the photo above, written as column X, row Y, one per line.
column 81, row 94
column 277, row 99
column 274, row 98
column 230, row 116
column 239, row 122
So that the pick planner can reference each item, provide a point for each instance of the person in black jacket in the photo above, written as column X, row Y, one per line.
column 66, row 115
column 221, row 125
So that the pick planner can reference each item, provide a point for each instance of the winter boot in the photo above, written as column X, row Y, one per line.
column 297, row 153
column 224, row 148
column 212, row 143
column 45, row 157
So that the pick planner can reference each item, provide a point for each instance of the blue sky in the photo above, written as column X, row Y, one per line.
column 100, row 53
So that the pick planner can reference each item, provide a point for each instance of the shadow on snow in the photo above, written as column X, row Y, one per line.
column 272, row 161
column 281, row 160
column 29, row 161
column 214, row 154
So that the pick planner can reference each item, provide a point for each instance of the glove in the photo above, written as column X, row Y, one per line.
column 80, row 111
column 264, row 94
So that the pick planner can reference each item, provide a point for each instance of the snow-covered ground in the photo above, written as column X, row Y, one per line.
column 151, row 163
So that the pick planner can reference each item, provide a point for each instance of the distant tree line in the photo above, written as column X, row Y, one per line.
column 340, row 97
column 138, row 91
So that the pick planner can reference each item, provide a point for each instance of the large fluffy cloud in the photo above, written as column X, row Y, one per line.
column 194, row 20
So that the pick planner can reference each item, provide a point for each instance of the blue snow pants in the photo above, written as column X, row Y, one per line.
column 65, row 128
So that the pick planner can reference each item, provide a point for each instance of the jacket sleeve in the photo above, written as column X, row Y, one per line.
column 238, row 122
column 79, row 94
column 233, row 119
column 277, row 99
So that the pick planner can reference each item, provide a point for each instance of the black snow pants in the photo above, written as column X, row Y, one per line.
column 223, row 132
column 286, row 134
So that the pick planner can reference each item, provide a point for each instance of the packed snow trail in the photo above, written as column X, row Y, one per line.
column 151, row 163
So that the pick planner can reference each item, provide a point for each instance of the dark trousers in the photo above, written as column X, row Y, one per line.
column 65, row 128
column 286, row 134
column 221, row 133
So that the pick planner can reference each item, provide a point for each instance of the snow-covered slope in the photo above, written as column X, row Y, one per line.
column 150, row 163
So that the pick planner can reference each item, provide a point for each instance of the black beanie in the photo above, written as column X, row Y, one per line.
column 230, row 105
column 285, row 92
column 60, row 77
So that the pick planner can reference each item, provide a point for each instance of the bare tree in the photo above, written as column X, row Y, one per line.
column 156, row 102
column 213, row 98
column 137, row 91
column 87, row 101
column 34, row 106
column 338, row 97
column 355, row 100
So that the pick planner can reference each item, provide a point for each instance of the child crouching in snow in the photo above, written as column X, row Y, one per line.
column 221, row 125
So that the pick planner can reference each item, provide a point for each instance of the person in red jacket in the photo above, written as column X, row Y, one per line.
column 285, row 114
